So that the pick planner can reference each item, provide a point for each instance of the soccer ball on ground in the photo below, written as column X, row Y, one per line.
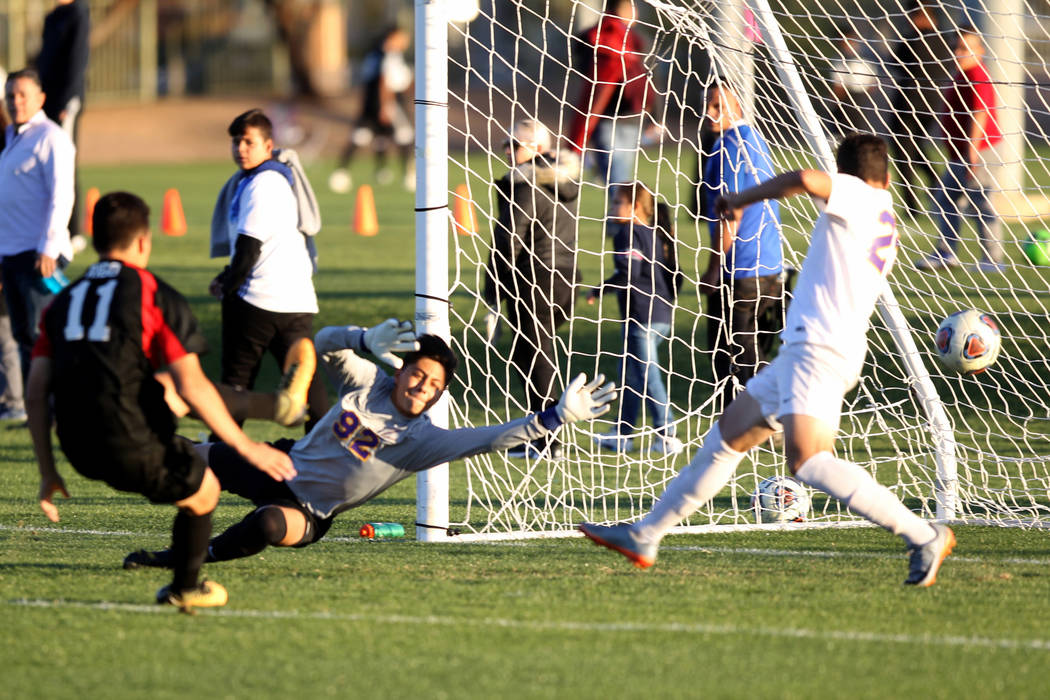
column 968, row 341
column 780, row 499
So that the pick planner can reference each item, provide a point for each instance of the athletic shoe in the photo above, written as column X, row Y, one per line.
column 926, row 560
column 340, row 181
column 299, row 365
column 937, row 260
column 669, row 445
column 384, row 176
column 146, row 559
column 207, row 594
column 13, row 414
column 614, row 442
column 622, row 539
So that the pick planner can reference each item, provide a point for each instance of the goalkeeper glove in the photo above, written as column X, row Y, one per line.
column 585, row 401
column 389, row 337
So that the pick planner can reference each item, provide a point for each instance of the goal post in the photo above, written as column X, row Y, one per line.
column 432, row 291
column 969, row 449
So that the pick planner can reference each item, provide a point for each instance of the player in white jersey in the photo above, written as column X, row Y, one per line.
column 853, row 247
column 375, row 436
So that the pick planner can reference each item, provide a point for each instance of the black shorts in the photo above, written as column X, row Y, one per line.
column 238, row 476
column 248, row 332
column 163, row 473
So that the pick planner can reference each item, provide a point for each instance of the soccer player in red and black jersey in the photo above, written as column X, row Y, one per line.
column 101, row 341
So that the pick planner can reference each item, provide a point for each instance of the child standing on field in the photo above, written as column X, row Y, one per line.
column 646, row 280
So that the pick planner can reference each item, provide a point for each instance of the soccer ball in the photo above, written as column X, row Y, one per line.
column 968, row 341
column 780, row 499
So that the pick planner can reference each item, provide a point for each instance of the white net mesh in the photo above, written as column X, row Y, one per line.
column 860, row 69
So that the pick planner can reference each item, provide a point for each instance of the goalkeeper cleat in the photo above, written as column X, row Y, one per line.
column 622, row 539
column 143, row 558
column 299, row 366
column 206, row 594
column 926, row 560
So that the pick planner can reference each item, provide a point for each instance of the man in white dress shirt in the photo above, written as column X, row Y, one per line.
column 36, row 200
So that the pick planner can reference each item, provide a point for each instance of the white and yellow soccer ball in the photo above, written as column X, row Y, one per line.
column 968, row 341
column 780, row 499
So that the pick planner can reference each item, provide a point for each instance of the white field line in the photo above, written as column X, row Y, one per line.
column 572, row 626
column 816, row 554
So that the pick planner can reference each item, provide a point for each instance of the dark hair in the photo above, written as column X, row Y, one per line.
column 118, row 218
column 253, row 118
column 864, row 156
column 916, row 5
column 966, row 30
column 662, row 221
column 665, row 230
column 25, row 74
column 388, row 31
column 435, row 348
column 612, row 7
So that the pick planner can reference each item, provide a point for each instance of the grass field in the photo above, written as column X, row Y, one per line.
column 759, row 615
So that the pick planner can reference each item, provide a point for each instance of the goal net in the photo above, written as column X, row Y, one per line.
column 968, row 448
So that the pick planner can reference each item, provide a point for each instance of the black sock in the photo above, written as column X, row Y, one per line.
column 189, row 545
column 261, row 528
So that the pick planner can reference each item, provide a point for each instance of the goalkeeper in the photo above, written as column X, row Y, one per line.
column 375, row 436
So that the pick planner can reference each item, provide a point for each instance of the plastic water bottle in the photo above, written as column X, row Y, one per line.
column 374, row 531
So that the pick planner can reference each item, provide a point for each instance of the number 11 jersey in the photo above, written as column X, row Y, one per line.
column 106, row 334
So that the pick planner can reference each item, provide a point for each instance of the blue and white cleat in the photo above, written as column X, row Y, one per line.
column 926, row 560
column 622, row 539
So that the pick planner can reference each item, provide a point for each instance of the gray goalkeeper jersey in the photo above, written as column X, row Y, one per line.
column 364, row 445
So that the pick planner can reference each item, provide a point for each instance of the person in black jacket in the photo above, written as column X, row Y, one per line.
column 533, row 262
column 922, row 61
column 62, row 65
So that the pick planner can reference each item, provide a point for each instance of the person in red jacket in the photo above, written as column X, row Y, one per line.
column 616, row 94
column 968, row 120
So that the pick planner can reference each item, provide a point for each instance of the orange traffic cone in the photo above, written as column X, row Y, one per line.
column 463, row 212
column 172, row 218
column 90, row 200
column 365, row 221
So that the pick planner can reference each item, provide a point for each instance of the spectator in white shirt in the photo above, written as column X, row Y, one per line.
column 267, row 290
column 36, row 200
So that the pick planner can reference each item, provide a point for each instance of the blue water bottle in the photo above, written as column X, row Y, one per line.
column 53, row 284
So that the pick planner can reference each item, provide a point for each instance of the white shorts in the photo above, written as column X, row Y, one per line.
column 808, row 380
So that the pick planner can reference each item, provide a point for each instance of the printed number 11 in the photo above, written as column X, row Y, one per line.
column 99, row 330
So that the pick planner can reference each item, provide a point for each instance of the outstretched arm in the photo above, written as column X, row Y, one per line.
column 338, row 347
column 38, row 407
column 581, row 401
column 815, row 183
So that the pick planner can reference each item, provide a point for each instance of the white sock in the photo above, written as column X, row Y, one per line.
column 858, row 491
column 709, row 471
